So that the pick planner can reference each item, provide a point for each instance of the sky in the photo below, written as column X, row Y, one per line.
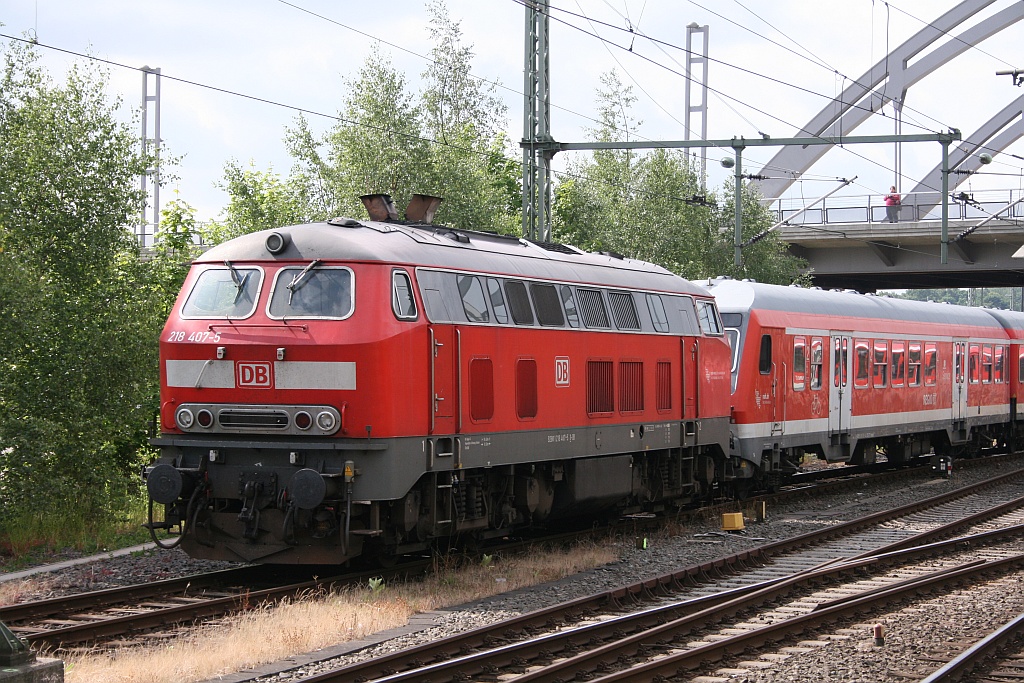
column 773, row 67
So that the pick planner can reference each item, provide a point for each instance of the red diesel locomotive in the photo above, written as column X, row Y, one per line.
column 368, row 387
column 849, row 377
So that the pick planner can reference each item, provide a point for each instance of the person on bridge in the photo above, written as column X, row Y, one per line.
column 892, row 205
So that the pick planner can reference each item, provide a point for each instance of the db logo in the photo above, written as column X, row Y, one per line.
column 561, row 371
column 253, row 375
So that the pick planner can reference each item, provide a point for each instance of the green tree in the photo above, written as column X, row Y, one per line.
column 470, row 160
column 378, row 147
column 259, row 200
column 446, row 140
column 77, row 329
column 1005, row 298
column 175, row 245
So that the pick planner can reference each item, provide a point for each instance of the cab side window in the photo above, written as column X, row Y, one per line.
column 403, row 303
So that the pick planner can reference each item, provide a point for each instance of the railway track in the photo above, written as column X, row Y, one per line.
column 999, row 656
column 637, row 633
column 102, row 616
column 109, row 616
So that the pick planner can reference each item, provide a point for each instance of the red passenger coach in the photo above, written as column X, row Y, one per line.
column 848, row 376
column 368, row 387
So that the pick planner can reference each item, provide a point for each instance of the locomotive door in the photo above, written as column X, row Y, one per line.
column 840, row 398
column 959, row 379
column 690, row 366
column 443, row 386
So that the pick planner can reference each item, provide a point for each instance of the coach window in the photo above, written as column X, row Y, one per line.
column 764, row 363
column 914, row 364
column 862, row 371
column 592, row 305
column 402, row 301
column 223, row 293
column 837, row 363
column 846, row 361
column 519, row 302
column 473, row 302
column 733, row 336
column 545, row 302
column 497, row 301
column 817, row 362
column 658, row 315
column 898, row 367
column 569, row 303
column 974, row 363
column 986, row 364
column 998, row 374
column 799, row 363
column 880, row 373
column 931, row 363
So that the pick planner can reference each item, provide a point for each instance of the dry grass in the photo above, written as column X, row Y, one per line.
column 23, row 590
column 272, row 633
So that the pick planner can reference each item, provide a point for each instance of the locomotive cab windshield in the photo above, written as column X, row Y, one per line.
column 223, row 292
column 312, row 291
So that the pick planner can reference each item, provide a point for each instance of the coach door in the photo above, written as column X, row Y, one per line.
column 443, row 379
column 959, row 380
column 840, row 403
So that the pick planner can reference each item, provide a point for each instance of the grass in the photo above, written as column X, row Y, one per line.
column 23, row 590
column 33, row 539
column 319, row 620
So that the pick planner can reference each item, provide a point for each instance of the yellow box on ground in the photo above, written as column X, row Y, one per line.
column 732, row 521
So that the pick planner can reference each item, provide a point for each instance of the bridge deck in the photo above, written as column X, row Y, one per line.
column 872, row 256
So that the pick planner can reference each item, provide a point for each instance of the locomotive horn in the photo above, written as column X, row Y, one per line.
column 422, row 208
column 380, row 207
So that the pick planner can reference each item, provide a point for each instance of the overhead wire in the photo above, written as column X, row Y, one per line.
column 661, row 43
column 816, row 60
column 494, row 83
column 631, row 29
column 655, row 146
column 295, row 108
column 634, row 31
column 970, row 46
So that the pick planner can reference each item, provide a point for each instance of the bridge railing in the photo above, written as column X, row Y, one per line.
column 922, row 206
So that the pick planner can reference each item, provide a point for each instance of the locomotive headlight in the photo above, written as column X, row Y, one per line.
column 205, row 418
column 184, row 418
column 326, row 421
column 303, row 420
